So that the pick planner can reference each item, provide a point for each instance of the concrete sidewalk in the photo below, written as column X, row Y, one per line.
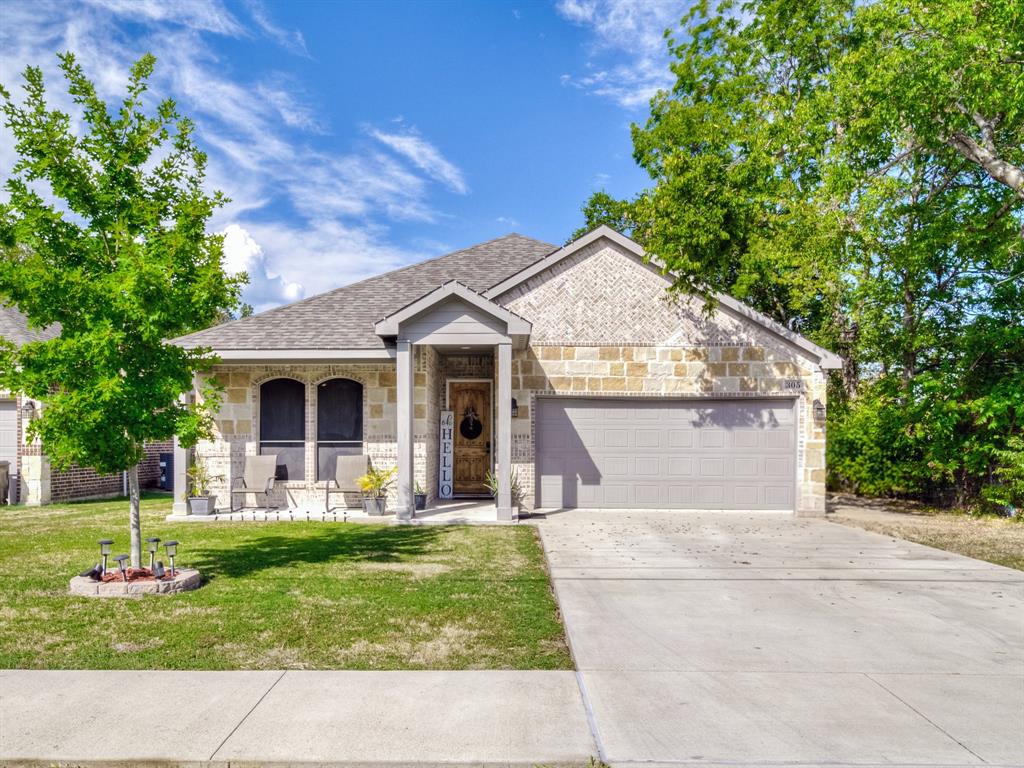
column 326, row 718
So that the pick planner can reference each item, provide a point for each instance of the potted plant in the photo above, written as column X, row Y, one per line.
column 420, row 496
column 374, row 485
column 517, row 492
column 200, row 500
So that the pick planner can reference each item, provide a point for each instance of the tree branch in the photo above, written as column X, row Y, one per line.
column 1000, row 170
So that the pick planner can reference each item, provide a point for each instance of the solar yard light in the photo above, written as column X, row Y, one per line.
column 105, row 545
column 172, row 550
column 122, row 567
column 152, row 544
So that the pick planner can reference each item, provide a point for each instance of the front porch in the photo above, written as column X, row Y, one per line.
column 447, row 323
column 445, row 512
column 446, row 358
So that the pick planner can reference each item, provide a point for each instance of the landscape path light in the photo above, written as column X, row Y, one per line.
column 172, row 550
column 152, row 544
column 105, row 545
column 122, row 567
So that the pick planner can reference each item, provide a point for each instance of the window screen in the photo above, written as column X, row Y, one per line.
column 339, row 423
column 283, row 426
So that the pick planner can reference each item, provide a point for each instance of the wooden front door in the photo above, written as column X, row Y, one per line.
column 470, row 403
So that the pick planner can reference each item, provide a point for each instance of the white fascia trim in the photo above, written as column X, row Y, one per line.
column 517, row 326
column 827, row 360
column 301, row 355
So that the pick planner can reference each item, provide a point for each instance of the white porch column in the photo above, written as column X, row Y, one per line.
column 504, row 435
column 404, row 368
column 180, row 481
column 182, row 456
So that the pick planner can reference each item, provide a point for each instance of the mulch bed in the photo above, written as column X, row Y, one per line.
column 135, row 574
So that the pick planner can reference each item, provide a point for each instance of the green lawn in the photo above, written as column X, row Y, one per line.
column 279, row 596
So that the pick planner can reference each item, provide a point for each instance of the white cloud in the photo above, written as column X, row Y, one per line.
column 202, row 15
column 630, row 57
column 301, row 219
column 266, row 288
column 507, row 221
column 424, row 156
column 290, row 39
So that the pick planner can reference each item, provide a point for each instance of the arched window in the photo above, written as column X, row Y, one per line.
column 283, row 426
column 339, row 423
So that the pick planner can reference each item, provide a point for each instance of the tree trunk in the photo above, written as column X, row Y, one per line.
column 136, row 528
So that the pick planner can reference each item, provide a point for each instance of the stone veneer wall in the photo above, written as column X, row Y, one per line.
column 604, row 325
column 670, row 372
column 236, row 426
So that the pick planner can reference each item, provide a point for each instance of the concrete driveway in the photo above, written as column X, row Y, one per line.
column 739, row 639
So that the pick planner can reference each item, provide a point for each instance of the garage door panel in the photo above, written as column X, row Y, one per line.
column 615, row 466
column 648, row 438
column 778, row 467
column 721, row 454
column 712, row 438
column 745, row 466
column 747, row 496
column 680, row 438
column 778, row 495
column 647, row 495
column 612, row 438
column 649, row 466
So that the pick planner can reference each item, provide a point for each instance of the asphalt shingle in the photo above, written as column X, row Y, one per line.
column 344, row 317
column 15, row 328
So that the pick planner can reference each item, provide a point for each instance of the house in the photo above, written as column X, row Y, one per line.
column 571, row 368
column 33, row 480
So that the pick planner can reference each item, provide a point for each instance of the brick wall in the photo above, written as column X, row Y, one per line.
column 84, row 483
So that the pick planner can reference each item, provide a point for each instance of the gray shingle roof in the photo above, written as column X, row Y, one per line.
column 344, row 318
column 14, row 327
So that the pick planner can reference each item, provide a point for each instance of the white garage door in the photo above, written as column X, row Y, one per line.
column 665, row 454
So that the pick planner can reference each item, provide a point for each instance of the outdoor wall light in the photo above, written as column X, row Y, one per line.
column 819, row 410
column 172, row 549
column 105, row 545
column 515, row 408
column 152, row 544
column 122, row 567
column 28, row 409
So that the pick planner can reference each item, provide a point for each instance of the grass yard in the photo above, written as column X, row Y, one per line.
column 993, row 539
column 279, row 596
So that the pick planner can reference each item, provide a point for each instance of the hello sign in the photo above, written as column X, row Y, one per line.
column 445, row 475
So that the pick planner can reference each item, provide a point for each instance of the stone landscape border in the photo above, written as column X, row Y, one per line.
column 185, row 580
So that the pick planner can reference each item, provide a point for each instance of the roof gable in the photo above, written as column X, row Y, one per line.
column 452, row 290
column 625, row 245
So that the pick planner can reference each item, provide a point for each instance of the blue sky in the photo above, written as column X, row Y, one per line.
column 355, row 137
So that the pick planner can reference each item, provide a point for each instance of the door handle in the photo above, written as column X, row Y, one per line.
column 488, row 446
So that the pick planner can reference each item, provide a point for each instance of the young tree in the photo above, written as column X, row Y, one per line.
column 104, row 234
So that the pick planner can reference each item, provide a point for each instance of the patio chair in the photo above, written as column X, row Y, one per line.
column 347, row 471
column 257, row 477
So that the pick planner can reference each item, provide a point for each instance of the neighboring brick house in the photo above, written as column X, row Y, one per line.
column 573, row 368
column 35, row 480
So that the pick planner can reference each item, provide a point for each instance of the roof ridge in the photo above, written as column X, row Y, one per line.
column 332, row 291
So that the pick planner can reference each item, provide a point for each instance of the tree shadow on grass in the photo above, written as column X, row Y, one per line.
column 334, row 544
